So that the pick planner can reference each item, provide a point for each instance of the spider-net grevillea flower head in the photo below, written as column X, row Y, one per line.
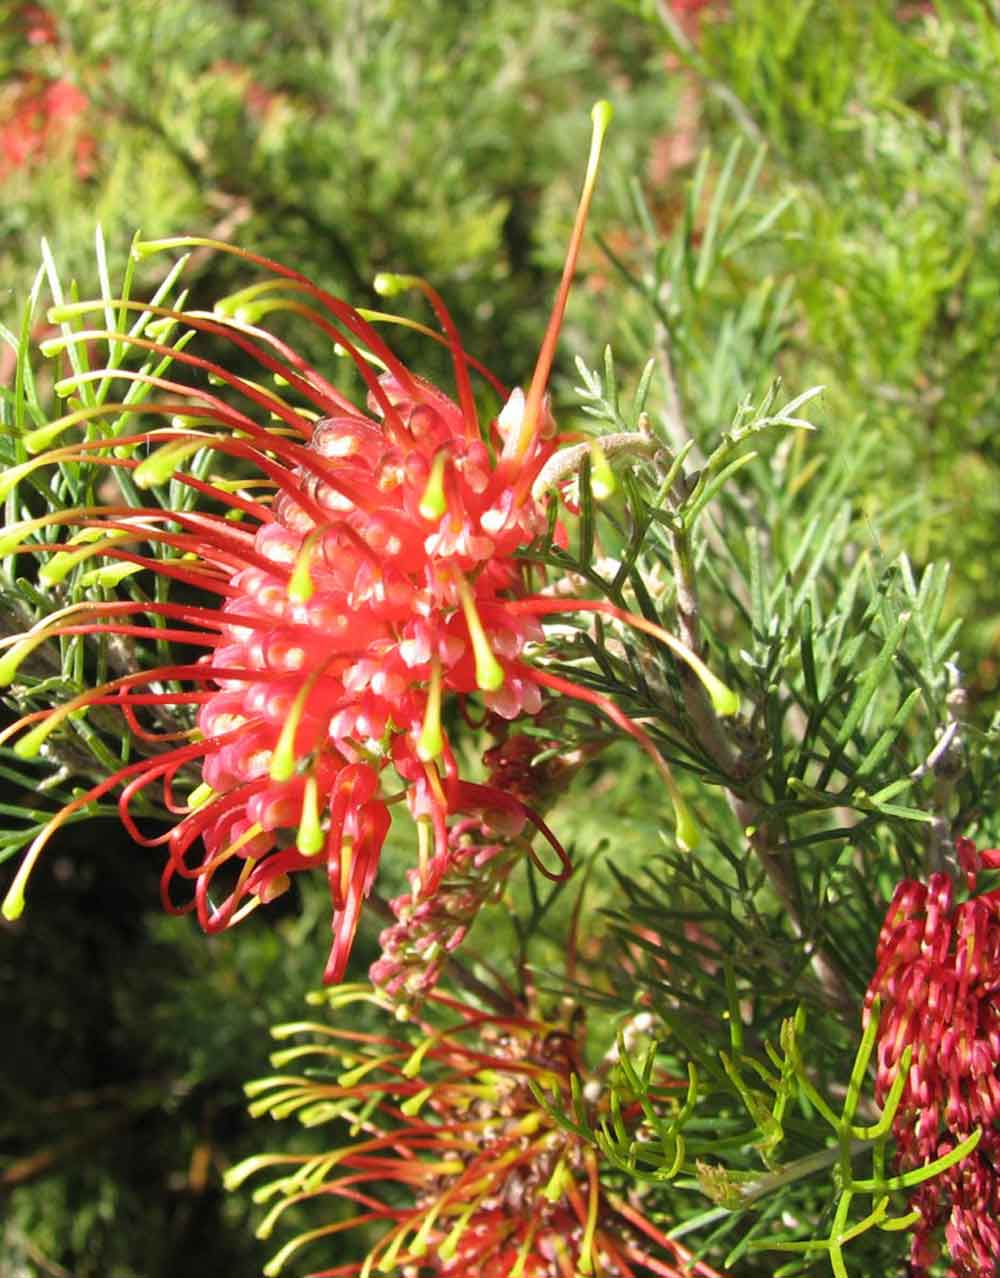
column 367, row 570
column 488, row 1181
column 937, row 978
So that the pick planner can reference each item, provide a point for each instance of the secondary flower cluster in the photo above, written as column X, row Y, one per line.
column 492, row 1184
column 433, row 918
column 937, row 978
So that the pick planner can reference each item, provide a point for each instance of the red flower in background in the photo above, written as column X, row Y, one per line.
column 937, row 978
column 39, row 25
column 43, row 116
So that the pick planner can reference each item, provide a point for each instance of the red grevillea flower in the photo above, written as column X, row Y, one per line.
column 937, row 979
column 38, row 24
column 41, row 116
column 369, row 570
column 491, row 1183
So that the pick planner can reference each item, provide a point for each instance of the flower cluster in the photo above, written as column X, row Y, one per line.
column 372, row 574
column 493, row 1183
column 370, row 566
column 937, row 977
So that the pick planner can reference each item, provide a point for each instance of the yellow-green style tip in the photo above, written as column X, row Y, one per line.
column 282, row 762
column 685, row 827
column 199, row 796
column 13, row 903
column 310, row 838
column 110, row 575
column 489, row 672
column 431, row 741
column 602, row 113
column 602, row 477
column 66, row 311
column 159, row 467
column 433, row 503
column 36, row 441
column 725, row 701
column 389, row 283
column 146, row 248
column 300, row 584
column 11, row 660
column 56, row 569
column 28, row 746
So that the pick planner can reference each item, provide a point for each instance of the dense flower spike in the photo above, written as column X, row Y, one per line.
column 937, row 976
column 433, row 918
column 492, row 1183
column 368, row 570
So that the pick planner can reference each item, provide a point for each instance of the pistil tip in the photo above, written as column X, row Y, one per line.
column 13, row 903
column 685, row 827
column 602, row 477
column 602, row 113
column 725, row 702
column 389, row 283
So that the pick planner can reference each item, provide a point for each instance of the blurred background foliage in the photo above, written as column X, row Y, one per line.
column 798, row 189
